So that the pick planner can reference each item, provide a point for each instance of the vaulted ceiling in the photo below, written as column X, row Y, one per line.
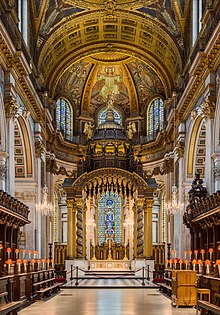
column 144, row 42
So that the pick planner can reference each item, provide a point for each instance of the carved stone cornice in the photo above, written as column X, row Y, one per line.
column 208, row 107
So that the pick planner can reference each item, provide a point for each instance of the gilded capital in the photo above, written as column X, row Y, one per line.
column 149, row 203
column 140, row 202
column 208, row 107
column 180, row 149
column 11, row 107
column 70, row 203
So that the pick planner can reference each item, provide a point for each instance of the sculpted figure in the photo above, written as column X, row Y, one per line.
column 131, row 129
column 88, row 130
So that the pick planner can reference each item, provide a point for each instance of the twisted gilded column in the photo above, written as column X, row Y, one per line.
column 80, row 229
column 71, row 229
column 148, row 237
column 140, row 228
column 135, row 230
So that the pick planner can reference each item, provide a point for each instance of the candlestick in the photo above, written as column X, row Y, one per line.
column 23, row 253
column 50, row 232
column 190, row 255
column 207, row 262
column 16, row 253
column 29, row 254
column 168, row 232
column 194, row 264
column 200, row 265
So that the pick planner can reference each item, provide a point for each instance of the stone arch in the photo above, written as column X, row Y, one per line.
column 82, row 37
column 24, row 163
column 194, row 133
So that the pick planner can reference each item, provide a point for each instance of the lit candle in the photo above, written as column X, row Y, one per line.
column 185, row 252
column 16, row 253
column 166, row 263
column 175, row 261
column 186, row 262
column 190, row 255
column 202, row 251
column 52, row 262
column 35, row 254
column 196, row 253
column 210, row 252
column 8, row 250
column 38, row 264
column 25, row 261
column 29, row 254
column 173, row 252
column 218, row 264
column 23, row 253
column 170, row 263
column 43, row 263
column 18, row 263
column 200, row 265
column 194, row 264
column 48, row 263
column 9, row 262
column 180, row 263
column 207, row 262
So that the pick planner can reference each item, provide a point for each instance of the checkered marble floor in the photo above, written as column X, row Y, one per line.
column 110, row 283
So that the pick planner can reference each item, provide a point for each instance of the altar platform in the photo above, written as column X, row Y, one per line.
column 109, row 265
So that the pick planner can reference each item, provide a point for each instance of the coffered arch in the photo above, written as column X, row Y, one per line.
column 144, row 38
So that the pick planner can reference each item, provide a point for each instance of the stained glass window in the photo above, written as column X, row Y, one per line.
column 109, row 218
column 102, row 116
column 155, row 117
column 64, row 118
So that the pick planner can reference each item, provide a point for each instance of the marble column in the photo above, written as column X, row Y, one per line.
column 71, row 229
column 148, row 236
column 11, row 114
column 208, row 112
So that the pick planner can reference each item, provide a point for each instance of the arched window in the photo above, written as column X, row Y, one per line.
column 109, row 218
column 64, row 118
column 155, row 118
column 197, row 12
column 102, row 116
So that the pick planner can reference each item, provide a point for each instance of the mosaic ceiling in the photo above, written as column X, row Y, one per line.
column 77, row 41
column 88, row 83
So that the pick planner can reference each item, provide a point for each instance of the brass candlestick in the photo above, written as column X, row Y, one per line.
column 125, row 256
column 109, row 250
column 93, row 253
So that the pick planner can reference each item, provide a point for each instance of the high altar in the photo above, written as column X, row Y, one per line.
column 110, row 202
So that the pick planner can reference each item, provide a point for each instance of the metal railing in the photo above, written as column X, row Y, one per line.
column 74, row 275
